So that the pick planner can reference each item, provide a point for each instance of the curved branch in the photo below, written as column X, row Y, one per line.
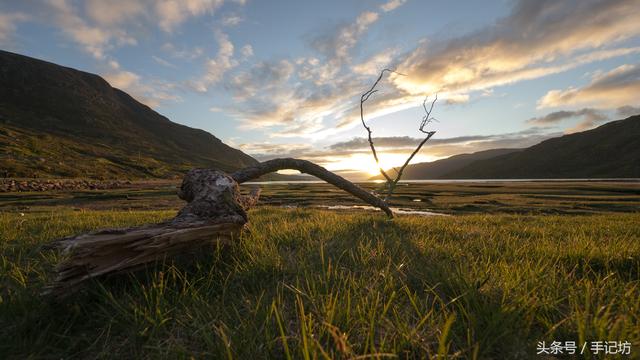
column 307, row 167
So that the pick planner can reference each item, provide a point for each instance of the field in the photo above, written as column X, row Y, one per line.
column 515, row 264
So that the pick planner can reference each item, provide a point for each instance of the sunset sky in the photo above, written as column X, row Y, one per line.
column 284, row 78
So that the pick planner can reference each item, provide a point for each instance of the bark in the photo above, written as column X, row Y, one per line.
column 307, row 167
column 215, row 212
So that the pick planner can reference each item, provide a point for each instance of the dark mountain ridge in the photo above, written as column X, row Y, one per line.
column 56, row 121
column 611, row 150
column 439, row 169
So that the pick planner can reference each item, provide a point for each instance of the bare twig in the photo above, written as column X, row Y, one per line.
column 426, row 119
column 363, row 99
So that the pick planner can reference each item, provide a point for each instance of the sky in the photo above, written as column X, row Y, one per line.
column 285, row 78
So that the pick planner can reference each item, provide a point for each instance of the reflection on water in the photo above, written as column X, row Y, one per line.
column 395, row 210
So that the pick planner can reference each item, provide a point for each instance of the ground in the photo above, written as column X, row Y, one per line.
column 525, row 264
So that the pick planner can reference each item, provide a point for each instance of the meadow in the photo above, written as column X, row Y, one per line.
column 514, row 265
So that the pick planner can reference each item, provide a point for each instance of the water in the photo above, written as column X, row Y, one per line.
column 287, row 182
column 395, row 210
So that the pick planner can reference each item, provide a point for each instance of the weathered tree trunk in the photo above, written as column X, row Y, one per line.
column 215, row 212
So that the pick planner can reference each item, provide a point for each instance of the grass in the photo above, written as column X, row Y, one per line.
column 307, row 284
column 538, row 197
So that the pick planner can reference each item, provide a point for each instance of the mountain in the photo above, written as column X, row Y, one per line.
column 439, row 169
column 609, row 151
column 60, row 122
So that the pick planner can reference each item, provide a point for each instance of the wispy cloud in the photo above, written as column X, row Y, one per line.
column 95, row 40
column 590, row 118
column 183, row 52
column 231, row 20
column 559, row 116
column 615, row 88
column 373, row 65
column 246, row 52
column 337, row 44
column 152, row 93
column 626, row 111
column 8, row 25
column 354, row 155
column 536, row 39
column 218, row 66
column 114, row 12
column 163, row 62
column 98, row 26
column 516, row 139
column 172, row 13
column 392, row 5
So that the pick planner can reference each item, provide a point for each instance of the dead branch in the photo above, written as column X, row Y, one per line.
column 427, row 119
column 307, row 167
column 215, row 212
column 364, row 99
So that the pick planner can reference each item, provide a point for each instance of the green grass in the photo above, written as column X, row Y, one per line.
column 306, row 284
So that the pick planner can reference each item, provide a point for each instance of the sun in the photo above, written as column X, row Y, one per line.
column 366, row 165
column 373, row 170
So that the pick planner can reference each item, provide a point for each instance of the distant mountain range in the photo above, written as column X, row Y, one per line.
column 60, row 122
column 609, row 151
column 440, row 169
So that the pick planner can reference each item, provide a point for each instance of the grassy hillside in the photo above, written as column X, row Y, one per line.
column 609, row 151
column 319, row 284
column 60, row 122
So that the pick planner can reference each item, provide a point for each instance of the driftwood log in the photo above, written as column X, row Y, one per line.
column 215, row 212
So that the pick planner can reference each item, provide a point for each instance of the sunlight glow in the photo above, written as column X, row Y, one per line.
column 365, row 163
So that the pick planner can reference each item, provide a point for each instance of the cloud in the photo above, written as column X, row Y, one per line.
column 231, row 20
column 590, row 119
column 246, row 52
column 218, row 66
column 183, row 53
column 99, row 26
column 516, row 140
column 337, row 44
column 8, row 24
column 114, row 12
column 267, row 151
column 375, row 63
column 626, row 111
column 172, row 13
column 163, row 62
column 92, row 39
column 298, row 97
column 355, row 156
column 360, row 143
column 392, row 5
column 616, row 88
column 264, row 77
column 95, row 40
column 153, row 94
column 453, row 99
column 556, row 117
column 536, row 39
